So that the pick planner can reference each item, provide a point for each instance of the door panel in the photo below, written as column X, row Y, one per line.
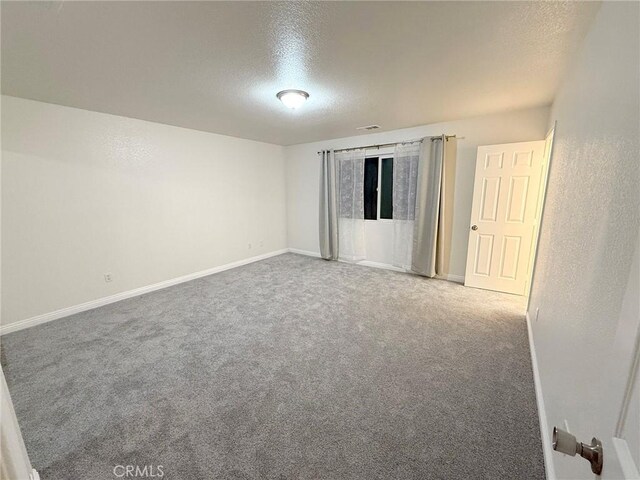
column 505, row 199
column 484, row 254
column 517, row 200
column 489, row 199
column 510, row 252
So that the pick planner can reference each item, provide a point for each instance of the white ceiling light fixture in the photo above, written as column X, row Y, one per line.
column 292, row 98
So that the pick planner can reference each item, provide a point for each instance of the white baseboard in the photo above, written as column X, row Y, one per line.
column 308, row 253
column 454, row 278
column 364, row 263
column 386, row 266
column 83, row 307
column 383, row 266
column 547, row 449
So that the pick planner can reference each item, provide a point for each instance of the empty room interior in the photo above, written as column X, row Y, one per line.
column 320, row 240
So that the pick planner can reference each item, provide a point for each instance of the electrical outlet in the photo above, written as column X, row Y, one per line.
column 262, row 243
column 537, row 313
column 249, row 246
column 107, row 277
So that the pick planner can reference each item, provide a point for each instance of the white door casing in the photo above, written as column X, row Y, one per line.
column 619, row 422
column 503, row 216
column 546, row 165
column 14, row 460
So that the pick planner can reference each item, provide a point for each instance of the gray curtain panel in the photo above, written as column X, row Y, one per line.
column 425, row 233
column 328, row 207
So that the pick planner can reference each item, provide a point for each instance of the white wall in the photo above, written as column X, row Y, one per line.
column 303, row 170
column 588, row 235
column 85, row 193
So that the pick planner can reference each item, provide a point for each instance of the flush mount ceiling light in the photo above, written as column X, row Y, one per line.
column 292, row 98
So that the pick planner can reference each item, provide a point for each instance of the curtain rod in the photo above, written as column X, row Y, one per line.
column 380, row 145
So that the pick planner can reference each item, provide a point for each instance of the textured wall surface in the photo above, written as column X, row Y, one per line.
column 589, row 228
column 303, row 170
column 85, row 193
column 217, row 66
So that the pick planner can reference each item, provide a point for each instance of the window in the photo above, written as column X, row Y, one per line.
column 378, row 188
column 371, row 188
column 386, row 188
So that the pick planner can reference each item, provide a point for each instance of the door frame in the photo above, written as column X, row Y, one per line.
column 14, row 459
column 542, row 200
column 627, row 357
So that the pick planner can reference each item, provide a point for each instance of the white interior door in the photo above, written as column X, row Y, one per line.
column 611, row 412
column 503, row 216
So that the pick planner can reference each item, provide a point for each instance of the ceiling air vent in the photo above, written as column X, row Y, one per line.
column 368, row 127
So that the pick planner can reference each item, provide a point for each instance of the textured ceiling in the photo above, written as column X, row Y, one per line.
column 216, row 66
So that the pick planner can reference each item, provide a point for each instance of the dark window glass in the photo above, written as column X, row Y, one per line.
column 371, row 188
column 386, row 189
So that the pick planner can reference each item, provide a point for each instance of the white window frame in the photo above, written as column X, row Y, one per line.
column 381, row 153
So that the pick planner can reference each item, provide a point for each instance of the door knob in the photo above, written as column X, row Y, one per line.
column 474, row 227
column 566, row 443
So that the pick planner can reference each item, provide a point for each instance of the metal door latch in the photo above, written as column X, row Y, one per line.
column 564, row 442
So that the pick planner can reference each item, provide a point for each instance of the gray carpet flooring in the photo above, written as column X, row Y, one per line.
column 288, row 368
